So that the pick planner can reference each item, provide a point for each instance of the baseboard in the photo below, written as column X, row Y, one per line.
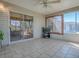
column 66, row 40
column 22, row 40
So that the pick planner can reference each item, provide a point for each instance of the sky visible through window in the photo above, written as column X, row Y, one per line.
column 15, row 23
column 71, row 22
column 70, row 17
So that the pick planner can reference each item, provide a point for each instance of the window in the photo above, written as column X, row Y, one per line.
column 77, row 30
column 71, row 22
column 55, row 24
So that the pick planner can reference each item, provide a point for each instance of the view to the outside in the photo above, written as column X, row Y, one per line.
column 15, row 25
column 21, row 29
column 15, row 30
column 55, row 24
column 21, row 26
column 71, row 22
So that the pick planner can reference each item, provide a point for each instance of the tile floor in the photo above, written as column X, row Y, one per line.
column 41, row 48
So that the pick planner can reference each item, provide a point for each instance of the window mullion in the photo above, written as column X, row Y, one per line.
column 75, row 21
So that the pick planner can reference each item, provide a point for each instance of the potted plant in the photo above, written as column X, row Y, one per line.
column 1, row 37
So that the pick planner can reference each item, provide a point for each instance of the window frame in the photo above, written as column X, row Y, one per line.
column 62, row 24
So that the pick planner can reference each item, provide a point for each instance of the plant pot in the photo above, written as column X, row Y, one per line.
column 0, row 43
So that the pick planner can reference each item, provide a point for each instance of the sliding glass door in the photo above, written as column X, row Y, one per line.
column 21, row 27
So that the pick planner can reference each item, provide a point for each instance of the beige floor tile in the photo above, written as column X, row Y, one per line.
column 41, row 48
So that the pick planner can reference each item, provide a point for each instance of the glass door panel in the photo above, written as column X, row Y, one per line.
column 28, row 29
column 15, row 31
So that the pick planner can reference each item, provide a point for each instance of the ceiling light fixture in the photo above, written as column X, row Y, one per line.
column 45, row 3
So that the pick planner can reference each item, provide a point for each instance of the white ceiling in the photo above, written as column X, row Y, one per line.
column 34, row 5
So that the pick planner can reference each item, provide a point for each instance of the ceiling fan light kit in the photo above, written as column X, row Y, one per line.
column 45, row 3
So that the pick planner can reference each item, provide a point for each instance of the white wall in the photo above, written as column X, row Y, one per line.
column 66, row 37
column 38, row 20
column 4, row 25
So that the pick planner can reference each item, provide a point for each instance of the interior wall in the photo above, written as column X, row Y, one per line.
column 4, row 24
column 38, row 20
column 66, row 37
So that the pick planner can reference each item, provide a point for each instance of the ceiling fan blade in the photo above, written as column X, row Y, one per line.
column 36, row 2
column 49, row 2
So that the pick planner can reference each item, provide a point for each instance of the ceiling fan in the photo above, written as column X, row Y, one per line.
column 45, row 3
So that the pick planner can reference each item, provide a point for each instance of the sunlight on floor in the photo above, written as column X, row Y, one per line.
column 74, row 44
column 77, row 32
